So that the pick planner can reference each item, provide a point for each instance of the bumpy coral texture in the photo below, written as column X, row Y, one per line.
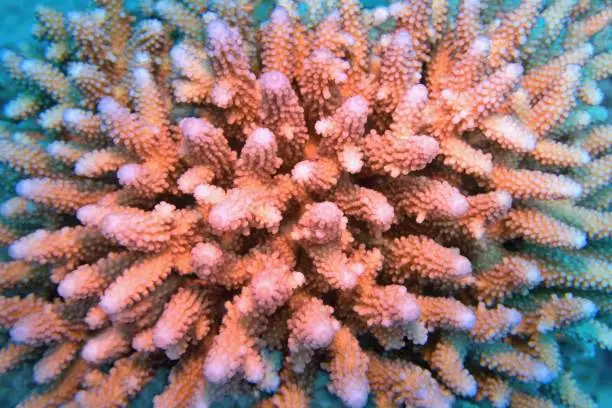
column 413, row 198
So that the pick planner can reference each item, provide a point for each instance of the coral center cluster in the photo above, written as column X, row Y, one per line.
column 411, row 201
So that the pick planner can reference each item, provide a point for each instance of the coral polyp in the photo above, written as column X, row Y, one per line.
column 409, row 204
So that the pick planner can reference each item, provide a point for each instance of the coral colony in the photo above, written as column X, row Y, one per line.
column 411, row 199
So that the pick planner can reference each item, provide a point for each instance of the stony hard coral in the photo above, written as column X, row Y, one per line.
column 414, row 199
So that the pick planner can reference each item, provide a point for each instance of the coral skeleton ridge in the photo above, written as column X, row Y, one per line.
column 412, row 199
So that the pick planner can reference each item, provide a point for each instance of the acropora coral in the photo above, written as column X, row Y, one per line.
column 413, row 199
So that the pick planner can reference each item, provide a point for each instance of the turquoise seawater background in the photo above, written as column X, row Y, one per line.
column 16, row 19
